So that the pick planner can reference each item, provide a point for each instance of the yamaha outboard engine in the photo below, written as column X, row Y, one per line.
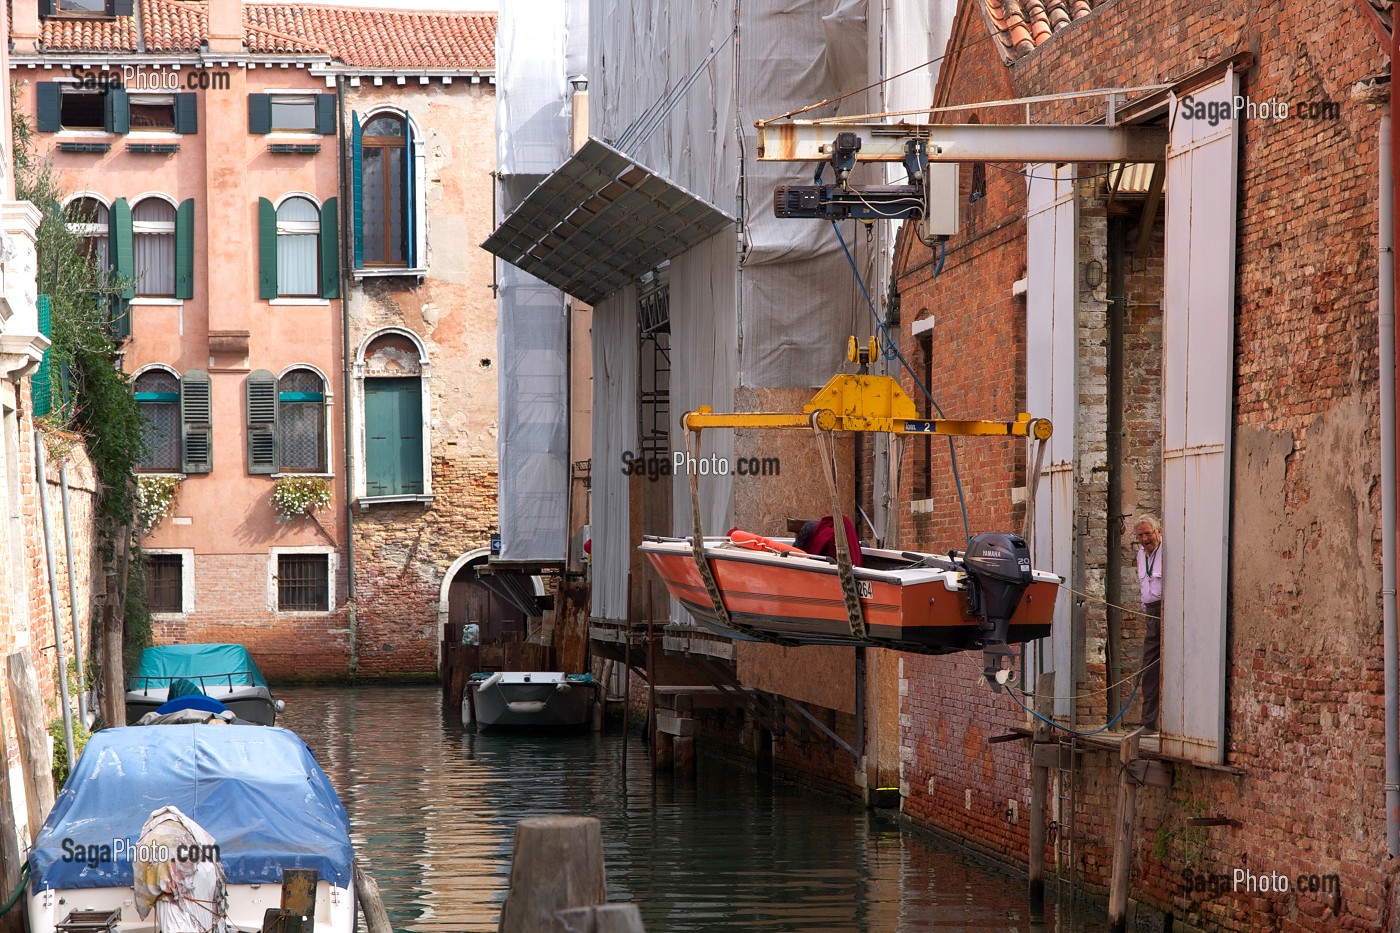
column 999, row 571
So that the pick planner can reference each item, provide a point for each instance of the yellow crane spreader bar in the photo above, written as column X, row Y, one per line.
column 867, row 403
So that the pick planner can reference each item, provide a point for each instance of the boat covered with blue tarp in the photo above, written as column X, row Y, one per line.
column 257, row 790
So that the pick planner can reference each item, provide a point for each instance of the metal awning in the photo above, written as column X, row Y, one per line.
column 601, row 221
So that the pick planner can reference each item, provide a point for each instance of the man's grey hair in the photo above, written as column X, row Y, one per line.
column 1150, row 520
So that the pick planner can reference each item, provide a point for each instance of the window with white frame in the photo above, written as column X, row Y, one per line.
column 303, row 581
column 293, row 113
column 386, row 177
column 88, row 220
column 169, row 580
column 298, row 249
column 153, row 245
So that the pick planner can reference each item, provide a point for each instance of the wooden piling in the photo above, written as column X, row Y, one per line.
column 605, row 918
column 683, row 745
column 1123, row 834
column 113, row 710
column 33, row 740
column 371, row 901
column 557, row 866
column 11, row 858
column 1040, row 785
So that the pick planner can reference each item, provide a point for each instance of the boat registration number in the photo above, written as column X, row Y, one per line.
column 864, row 589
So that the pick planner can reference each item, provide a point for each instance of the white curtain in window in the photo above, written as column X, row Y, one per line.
column 298, row 246
column 153, row 242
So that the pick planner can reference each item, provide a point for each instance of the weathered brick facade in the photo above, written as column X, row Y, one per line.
column 1304, row 692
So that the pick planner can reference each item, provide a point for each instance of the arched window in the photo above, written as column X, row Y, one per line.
column 153, row 244
column 88, row 219
column 386, row 170
column 301, row 422
column 298, row 249
column 158, row 394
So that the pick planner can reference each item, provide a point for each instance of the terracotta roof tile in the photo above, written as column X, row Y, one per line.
column 369, row 38
column 1022, row 25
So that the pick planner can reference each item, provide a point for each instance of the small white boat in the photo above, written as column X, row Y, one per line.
column 529, row 698
column 226, row 673
column 257, row 791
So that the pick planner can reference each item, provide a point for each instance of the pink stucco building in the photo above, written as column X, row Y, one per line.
column 290, row 197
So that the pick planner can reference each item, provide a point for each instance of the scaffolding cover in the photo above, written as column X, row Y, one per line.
column 533, row 132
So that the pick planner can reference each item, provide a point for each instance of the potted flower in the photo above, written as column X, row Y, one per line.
column 294, row 496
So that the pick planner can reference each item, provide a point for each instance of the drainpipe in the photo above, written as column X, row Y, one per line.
column 1388, row 490
column 347, row 233
column 73, row 596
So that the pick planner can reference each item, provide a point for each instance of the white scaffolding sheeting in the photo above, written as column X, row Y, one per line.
column 789, row 326
column 615, row 366
column 532, row 124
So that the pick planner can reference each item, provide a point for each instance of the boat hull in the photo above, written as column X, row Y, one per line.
column 797, row 599
column 251, row 704
column 531, row 699
column 335, row 907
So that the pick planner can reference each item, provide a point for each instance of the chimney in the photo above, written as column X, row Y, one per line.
column 25, row 28
column 225, row 26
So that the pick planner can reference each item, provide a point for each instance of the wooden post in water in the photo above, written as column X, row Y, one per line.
column 11, row 859
column 113, row 710
column 1040, row 785
column 1123, row 834
column 557, row 866
column 33, row 740
column 371, row 902
column 684, row 742
column 605, row 918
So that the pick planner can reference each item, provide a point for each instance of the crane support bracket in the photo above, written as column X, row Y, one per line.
column 870, row 404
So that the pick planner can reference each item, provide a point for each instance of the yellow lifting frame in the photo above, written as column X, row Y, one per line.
column 867, row 403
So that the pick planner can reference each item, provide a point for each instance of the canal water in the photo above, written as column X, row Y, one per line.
column 433, row 808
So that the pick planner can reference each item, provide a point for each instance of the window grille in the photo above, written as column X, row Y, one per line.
column 303, row 582
column 158, row 395
column 654, row 338
column 301, row 417
column 164, row 590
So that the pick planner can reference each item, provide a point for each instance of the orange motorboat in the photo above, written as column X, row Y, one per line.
column 986, row 597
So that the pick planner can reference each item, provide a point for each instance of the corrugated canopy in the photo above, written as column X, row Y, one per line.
column 601, row 221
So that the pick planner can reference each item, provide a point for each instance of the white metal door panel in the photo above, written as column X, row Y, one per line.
column 1197, row 414
column 1052, row 236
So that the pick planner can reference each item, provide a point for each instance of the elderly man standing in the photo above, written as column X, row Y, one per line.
column 1149, row 570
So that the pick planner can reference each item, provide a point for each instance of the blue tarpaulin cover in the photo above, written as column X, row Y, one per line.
column 213, row 663
column 256, row 789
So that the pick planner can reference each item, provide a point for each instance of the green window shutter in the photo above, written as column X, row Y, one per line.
column 184, row 249
column 325, row 114
column 116, row 112
column 262, row 422
column 118, row 316
column 187, row 113
column 393, row 437
column 259, row 114
column 49, row 101
column 410, row 209
column 41, row 383
column 357, row 190
column 267, row 249
column 330, row 250
column 196, row 422
column 123, row 255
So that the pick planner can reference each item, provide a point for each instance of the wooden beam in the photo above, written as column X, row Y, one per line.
column 33, row 740
column 11, row 859
column 1372, row 18
column 557, row 866
column 605, row 918
column 1123, row 834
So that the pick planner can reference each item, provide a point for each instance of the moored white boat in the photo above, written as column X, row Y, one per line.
column 256, row 790
column 226, row 673
column 529, row 698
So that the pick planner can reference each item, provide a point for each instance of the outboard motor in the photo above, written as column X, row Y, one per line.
column 998, row 571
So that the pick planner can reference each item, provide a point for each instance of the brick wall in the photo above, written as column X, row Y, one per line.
column 1304, row 725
